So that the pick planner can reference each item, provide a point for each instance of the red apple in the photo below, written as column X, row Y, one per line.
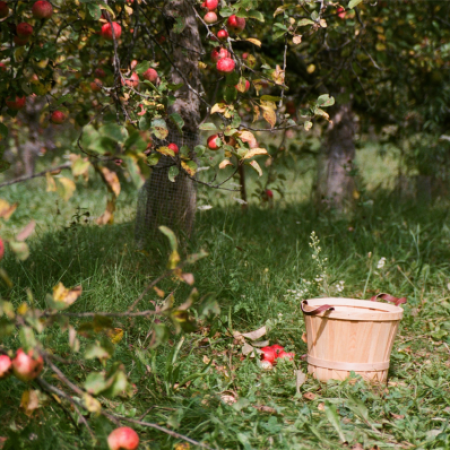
column 133, row 64
column 291, row 108
column 5, row 366
column 107, row 31
column 269, row 354
column 210, row 17
column 245, row 55
column 287, row 355
column 341, row 12
column 222, row 35
column 21, row 40
column 24, row 29
column 2, row 249
column 174, row 148
column 212, row 143
column 132, row 81
column 150, row 75
column 278, row 348
column 219, row 53
column 16, row 102
column 27, row 367
column 243, row 85
column 100, row 73
column 225, row 65
column 210, row 4
column 123, row 438
column 58, row 117
column 2, row 67
column 4, row 10
column 269, row 194
column 96, row 85
column 42, row 10
column 236, row 24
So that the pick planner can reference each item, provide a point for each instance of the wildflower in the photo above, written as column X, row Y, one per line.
column 381, row 263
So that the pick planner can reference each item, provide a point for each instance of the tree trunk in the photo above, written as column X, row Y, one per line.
column 174, row 203
column 335, row 181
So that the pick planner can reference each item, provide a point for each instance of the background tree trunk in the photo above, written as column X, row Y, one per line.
column 174, row 203
column 335, row 183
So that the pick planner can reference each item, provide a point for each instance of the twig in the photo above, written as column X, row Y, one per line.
column 35, row 175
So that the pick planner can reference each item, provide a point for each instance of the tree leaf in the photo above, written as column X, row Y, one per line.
column 6, row 210
column 190, row 167
column 166, row 151
column 178, row 121
column 66, row 296
column 153, row 159
column 254, row 335
column 256, row 167
column 304, row 22
column 353, row 3
column 325, row 100
column 269, row 115
column 159, row 128
column 254, row 152
column 254, row 14
column 65, row 187
column 307, row 125
column 225, row 163
column 112, row 180
column 208, row 127
column 170, row 235
column 108, row 216
column 173, row 172
column 21, row 250
column 254, row 41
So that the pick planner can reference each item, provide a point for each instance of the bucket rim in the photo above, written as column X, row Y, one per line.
column 357, row 309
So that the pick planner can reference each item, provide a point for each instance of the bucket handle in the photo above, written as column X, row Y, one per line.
column 389, row 298
column 318, row 310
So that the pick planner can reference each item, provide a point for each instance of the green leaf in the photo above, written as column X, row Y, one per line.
column 96, row 351
column 226, row 11
column 178, row 121
column 353, row 3
column 171, row 236
column 21, row 250
column 307, row 125
column 95, row 383
column 207, row 126
column 325, row 100
column 94, row 10
column 142, row 67
column 153, row 159
column 173, row 172
column 27, row 338
column 332, row 415
column 144, row 123
column 304, row 22
column 254, row 14
column 200, row 150
column 180, row 25
column 159, row 128
column 114, row 131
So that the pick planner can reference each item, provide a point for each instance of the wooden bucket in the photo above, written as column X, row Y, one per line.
column 347, row 335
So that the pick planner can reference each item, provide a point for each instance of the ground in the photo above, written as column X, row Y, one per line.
column 259, row 268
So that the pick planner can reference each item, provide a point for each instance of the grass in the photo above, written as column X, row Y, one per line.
column 256, row 259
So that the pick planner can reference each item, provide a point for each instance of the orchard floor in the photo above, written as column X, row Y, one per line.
column 256, row 260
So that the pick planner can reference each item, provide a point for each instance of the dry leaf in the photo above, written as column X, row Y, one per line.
column 65, row 188
column 51, row 185
column 225, row 163
column 188, row 278
column 115, row 334
column 206, row 360
column 254, row 41
column 257, row 167
column 229, row 397
column 278, row 75
column 219, row 107
column 397, row 416
column 112, row 180
column 300, row 379
column 256, row 113
column 159, row 292
column 309, row 396
column 6, row 209
column 321, row 407
column 257, row 334
column 64, row 295
column 26, row 232
column 108, row 216
column 247, row 349
column 30, row 401
column 269, row 115
column 182, row 446
column 297, row 39
column 254, row 152
column 266, row 409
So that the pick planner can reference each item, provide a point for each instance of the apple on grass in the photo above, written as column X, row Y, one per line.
column 286, row 355
column 107, row 31
column 269, row 354
column 42, row 10
column 123, row 438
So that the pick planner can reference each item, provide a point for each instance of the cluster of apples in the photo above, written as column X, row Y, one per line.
column 24, row 366
column 41, row 10
column 224, row 63
column 271, row 354
column 216, row 141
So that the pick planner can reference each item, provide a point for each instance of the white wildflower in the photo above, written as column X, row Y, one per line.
column 381, row 263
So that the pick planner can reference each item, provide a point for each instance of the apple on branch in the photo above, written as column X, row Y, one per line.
column 210, row 4
column 225, row 65
column 150, row 75
column 174, row 148
column 107, row 31
column 236, row 24
column 222, row 35
column 58, row 117
column 42, row 10
column 16, row 103
column 210, row 17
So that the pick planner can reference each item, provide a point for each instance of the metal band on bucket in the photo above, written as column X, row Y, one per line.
column 355, row 367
